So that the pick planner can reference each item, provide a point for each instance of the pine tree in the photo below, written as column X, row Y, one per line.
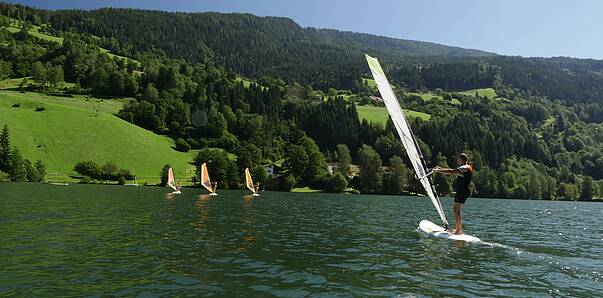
column 163, row 174
column 33, row 175
column 5, row 150
column 17, row 171
column 39, row 165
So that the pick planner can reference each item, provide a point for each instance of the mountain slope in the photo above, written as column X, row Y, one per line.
column 218, row 30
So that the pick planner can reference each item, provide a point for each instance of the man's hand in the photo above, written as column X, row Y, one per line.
column 436, row 169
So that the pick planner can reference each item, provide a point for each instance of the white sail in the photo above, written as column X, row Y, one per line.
column 405, row 133
column 171, row 182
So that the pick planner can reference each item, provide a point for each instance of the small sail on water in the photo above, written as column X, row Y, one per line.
column 171, row 182
column 206, row 182
column 405, row 133
column 249, row 182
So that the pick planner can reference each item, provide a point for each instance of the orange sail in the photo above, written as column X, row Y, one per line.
column 205, row 178
column 249, row 181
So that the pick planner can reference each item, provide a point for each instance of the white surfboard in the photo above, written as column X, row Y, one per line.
column 434, row 230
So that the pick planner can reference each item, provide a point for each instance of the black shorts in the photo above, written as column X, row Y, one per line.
column 461, row 197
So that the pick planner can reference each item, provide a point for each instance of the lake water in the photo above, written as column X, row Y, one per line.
column 93, row 240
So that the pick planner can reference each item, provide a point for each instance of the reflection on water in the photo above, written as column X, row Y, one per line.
column 94, row 240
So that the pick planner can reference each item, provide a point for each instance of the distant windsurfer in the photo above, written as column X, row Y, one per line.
column 463, row 173
column 179, row 185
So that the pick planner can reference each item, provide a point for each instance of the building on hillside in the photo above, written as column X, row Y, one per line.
column 273, row 168
column 376, row 100
column 270, row 169
column 332, row 167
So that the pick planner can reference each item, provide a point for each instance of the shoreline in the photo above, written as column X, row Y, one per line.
column 67, row 184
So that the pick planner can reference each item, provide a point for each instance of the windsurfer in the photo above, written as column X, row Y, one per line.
column 463, row 173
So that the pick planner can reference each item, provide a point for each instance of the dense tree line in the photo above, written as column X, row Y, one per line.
column 107, row 172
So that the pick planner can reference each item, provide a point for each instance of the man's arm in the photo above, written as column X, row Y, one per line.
column 446, row 171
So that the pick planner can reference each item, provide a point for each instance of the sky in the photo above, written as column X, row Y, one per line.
column 511, row 27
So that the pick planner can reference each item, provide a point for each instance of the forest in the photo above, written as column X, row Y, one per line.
column 230, row 95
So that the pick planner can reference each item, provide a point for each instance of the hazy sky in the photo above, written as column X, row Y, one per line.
column 512, row 27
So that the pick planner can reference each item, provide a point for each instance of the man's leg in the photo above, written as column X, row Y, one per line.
column 458, row 221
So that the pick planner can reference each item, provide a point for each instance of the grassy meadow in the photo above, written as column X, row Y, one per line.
column 69, row 130
column 370, row 82
column 34, row 31
column 380, row 115
column 487, row 92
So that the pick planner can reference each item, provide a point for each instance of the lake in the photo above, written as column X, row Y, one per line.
column 94, row 240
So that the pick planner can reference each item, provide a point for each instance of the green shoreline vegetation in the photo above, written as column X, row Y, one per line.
column 95, row 102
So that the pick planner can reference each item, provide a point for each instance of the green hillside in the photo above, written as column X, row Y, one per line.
column 380, row 115
column 69, row 130
column 370, row 82
column 13, row 83
column 487, row 92
column 34, row 31
column 16, row 25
